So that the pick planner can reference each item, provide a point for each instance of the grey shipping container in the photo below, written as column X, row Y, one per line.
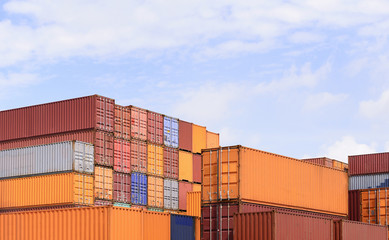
column 56, row 157
column 170, row 194
column 368, row 181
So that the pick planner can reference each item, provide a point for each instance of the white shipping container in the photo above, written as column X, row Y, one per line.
column 170, row 194
column 368, row 181
column 56, row 157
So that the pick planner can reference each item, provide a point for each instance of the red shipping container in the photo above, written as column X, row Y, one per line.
column 183, row 188
column 170, row 165
column 368, row 164
column 92, row 112
column 217, row 218
column 350, row 230
column 138, row 123
column 102, row 141
column 99, row 202
column 320, row 161
column 138, row 156
column 155, row 128
column 121, row 187
column 196, row 168
column 122, row 156
column 280, row 226
column 354, row 205
column 122, row 122
column 185, row 135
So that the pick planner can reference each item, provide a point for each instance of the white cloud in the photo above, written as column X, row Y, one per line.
column 376, row 109
column 306, row 37
column 18, row 79
column 320, row 100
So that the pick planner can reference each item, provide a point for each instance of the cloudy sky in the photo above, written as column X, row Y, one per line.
column 298, row 78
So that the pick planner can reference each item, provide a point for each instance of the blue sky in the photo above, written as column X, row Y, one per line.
column 298, row 78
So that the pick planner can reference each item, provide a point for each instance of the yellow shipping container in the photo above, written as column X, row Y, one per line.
column 185, row 166
column 212, row 140
column 155, row 191
column 154, row 160
column 249, row 175
column 103, row 183
column 199, row 138
column 46, row 190
column 97, row 223
column 196, row 187
column 193, row 204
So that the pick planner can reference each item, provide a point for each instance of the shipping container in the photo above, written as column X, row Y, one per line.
column 97, row 223
column 354, row 205
column 185, row 135
column 154, row 160
column 121, row 187
column 280, row 226
column 212, row 140
column 199, row 138
column 102, row 141
column 182, row 227
column 100, row 202
column 369, row 164
column 122, row 155
column 103, row 183
column 170, row 194
column 196, row 168
column 243, row 174
column 138, row 188
column 47, row 190
column 15, row 210
column 375, row 206
column 337, row 165
column 170, row 162
column 119, row 204
column 183, row 189
column 138, row 123
column 170, row 131
column 185, row 166
column 50, row 158
column 218, row 217
column 92, row 112
column 122, row 122
column 323, row 161
column 196, row 187
column 197, row 221
column 154, row 128
column 193, row 204
column 138, row 156
column 155, row 192
column 155, row 209
column 369, row 181
column 351, row 230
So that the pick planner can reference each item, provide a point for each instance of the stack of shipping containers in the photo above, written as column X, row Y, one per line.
column 323, row 161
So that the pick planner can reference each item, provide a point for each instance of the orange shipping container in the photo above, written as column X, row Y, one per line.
column 185, row 166
column 196, row 187
column 56, row 189
column 240, row 173
column 193, row 204
column 199, row 138
column 97, row 223
column 212, row 140
column 155, row 191
column 154, row 160
column 103, row 183
column 375, row 206
column 197, row 228
column 337, row 164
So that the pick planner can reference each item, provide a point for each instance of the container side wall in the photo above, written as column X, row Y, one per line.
column 185, row 135
column 354, row 205
column 182, row 227
column 368, row 164
column 369, row 181
column 199, row 138
column 350, row 230
column 193, row 204
column 185, row 166
column 212, row 140
column 184, row 187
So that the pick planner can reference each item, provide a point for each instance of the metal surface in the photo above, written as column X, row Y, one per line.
column 193, row 204
column 368, row 164
column 199, row 138
column 170, row 162
column 138, row 123
column 369, row 181
column 323, row 161
column 212, row 140
column 170, row 194
column 374, row 206
column 196, row 168
column 122, row 122
column 155, row 192
column 154, row 128
column 354, row 205
column 185, row 166
column 350, row 230
column 185, row 135
column 170, row 131
column 121, row 187
column 103, row 183
column 138, row 156
column 183, row 189
column 122, row 156
column 154, row 160
column 138, row 188
column 100, row 202
column 182, row 227
column 56, row 157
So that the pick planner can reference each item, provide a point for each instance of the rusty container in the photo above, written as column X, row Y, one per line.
column 47, row 190
column 121, row 187
column 374, row 206
column 183, row 189
column 138, row 123
column 185, row 135
column 154, row 160
column 122, row 155
column 368, row 164
column 170, row 162
column 354, row 205
column 138, row 156
column 323, row 161
column 193, row 204
column 351, row 230
column 212, row 140
column 197, row 168
column 243, row 174
column 155, row 192
column 154, row 128
column 100, row 202
column 185, row 166
column 103, row 183
column 122, row 122
column 199, row 138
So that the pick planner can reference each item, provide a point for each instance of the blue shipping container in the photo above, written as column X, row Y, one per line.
column 170, row 131
column 138, row 188
column 182, row 227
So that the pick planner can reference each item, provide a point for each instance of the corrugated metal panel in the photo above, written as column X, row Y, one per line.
column 196, row 187
column 185, row 135
column 138, row 123
column 55, row 189
column 193, row 204
column 182, row 227
column 350, row 230
column 100, row 202
column 15, row 210
column 212, row 140
column 183, row 189
column 155, row 192
column 154, row 160
column 138, row 188
column 138, row 156
column 185, row 166
column 121, row 187
column 159, row 221
column 104, row 148
column 369, row 181
column 70, row 115
column 170, row 162
column 196, row 168
column 122, row 122
column 122, row 156
column 50, row 158
column 368, row 164
column 239, row 173
column 323, row 161
column 199, row 138
column 170, row 194
column 103, row 183
column 374, row 204
column 154, row 128
column 119, row 204
column 170, row 131
column 354, row 205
